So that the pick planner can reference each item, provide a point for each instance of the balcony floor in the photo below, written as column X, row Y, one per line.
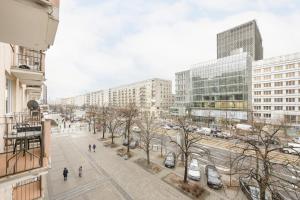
column 19, row 164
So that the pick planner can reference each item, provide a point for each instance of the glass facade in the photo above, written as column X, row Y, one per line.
column 222, row 84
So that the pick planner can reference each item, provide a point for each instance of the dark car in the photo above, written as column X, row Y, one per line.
column 252, row 191
column 133, row 144
column 170, row 160
column 125, row 142
column 216, row 132
column 213, row 177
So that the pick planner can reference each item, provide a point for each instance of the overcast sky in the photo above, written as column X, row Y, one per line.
column 107, row 43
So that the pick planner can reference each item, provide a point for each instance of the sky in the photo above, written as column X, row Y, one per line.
column 106, row 43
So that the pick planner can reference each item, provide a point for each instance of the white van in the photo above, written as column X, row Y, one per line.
column 291, row 148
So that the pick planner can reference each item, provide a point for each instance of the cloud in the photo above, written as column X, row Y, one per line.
column 109, row 43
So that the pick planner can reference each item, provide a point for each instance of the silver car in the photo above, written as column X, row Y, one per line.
column 193, row 170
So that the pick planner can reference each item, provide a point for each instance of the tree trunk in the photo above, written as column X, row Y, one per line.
column 94, row 126
column 112, row 137
column 262, row 189
column 103, row 130
column 148, row 154
column 185, row 168
column 128, row 137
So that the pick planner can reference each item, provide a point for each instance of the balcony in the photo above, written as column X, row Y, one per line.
column 26, row 144
column 28, row 190
column 31, row 23
column 28, row 67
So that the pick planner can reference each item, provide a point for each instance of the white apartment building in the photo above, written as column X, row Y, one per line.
column 276, row 89
column 154, row 95
column 27, row 30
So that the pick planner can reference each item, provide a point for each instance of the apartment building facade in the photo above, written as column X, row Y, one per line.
column 154, row 95
column 22, row 74
column 276, row 89
column 245, row 37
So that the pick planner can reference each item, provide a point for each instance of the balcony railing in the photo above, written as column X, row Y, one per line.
column 28, row 190
column 33, row 61
column 23, row 144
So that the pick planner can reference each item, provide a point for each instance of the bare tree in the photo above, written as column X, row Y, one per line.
column 113, row 122
column 129, row 113
column 70, row 109
column 148, row 128
column 103, row 118
column 91, row 115
column 188, row 139
column 258, row 159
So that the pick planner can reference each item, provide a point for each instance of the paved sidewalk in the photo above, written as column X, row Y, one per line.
column 105, row 175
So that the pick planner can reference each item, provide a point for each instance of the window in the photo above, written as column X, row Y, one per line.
column 278, row 91
column 290, row 74
column 290, row 83
column 267, row 77
column 257, row 115
column 257, row 93
column 267, row 69
column 299, row 82
column 278, row 100
column 278, row 76
column 278, row 68
column 290, row 108
column 291, row 91
column 290, row 118
column 8, row 96
column 267, row 115
column 267, row 84
column 257, row 71
column 278, row 107
column 290, row 99
column 267, row 99
column 257, row 85
column 257, row 100
column 278, row 83
column 267, row 107
column 290, row 66
column 257, row 78
column 257, row 107
column 267, row 92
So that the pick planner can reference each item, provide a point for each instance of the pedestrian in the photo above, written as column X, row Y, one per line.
column 90, row 147
column 80, row 171
column 65, row 173
column 94, row 147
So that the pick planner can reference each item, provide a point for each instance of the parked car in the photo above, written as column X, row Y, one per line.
column 166, row 127
column 170, row 160
column 133, row 144
column 136, row 129
column 125, row 142
column 176, row 127
column 296, row 139
column 205, row 131
column 216, row 133
column 193, row 170
column 291, row 148
column 226, row 135
column 213, row 177
column 252, row 191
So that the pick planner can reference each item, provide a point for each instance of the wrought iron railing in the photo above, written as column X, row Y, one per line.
column 22, row 139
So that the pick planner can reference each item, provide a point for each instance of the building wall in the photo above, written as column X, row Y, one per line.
column 245, row 36
column 216, row 89
column 276, row 89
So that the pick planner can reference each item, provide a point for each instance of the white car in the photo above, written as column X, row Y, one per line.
column 291, row 148
column 136, row 129
column 205, row 131
column 167, row 127
column 296, row 139
column 193, row 170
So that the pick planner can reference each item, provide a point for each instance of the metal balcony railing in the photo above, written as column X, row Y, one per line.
column 30, row 61
column 28, row 190
column 23, row 147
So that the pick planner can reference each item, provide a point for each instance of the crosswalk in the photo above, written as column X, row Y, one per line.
column 231, row 146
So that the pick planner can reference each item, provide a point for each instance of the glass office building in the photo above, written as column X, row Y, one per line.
column 220, row 88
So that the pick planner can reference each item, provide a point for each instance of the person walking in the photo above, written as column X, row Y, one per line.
column 65, row 173
column 90, row 147
column 94, row 147
column 80, row 171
